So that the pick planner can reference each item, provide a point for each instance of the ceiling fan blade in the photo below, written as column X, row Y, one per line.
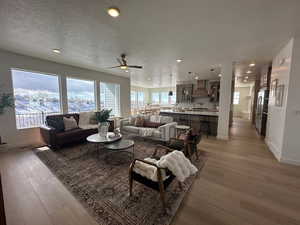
column 113, row 67
column 136, row 67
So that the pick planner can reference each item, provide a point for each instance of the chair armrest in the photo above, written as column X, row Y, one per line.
column 49, row 135
column 168, row 130
column 124, row 122
column 47, row 128
column 149, row 163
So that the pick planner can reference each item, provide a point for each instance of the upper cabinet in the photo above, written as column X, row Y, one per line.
column 201, row 89
column 184, row 93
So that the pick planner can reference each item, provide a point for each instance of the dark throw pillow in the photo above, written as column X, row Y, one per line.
column 56, row 123
column 152, row 124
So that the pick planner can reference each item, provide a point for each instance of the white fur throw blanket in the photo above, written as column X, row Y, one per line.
column 175, row 161
column 145, row 132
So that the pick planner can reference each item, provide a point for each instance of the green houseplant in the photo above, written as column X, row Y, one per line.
column 6, row 101
column 102, row 119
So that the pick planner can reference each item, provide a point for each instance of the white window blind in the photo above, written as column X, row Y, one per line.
column 110, row 97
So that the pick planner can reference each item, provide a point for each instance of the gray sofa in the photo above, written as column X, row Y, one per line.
column 164, row 132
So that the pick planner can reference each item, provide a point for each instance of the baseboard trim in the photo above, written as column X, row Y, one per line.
column 290, row 161
column 221, row 137
column 273, row 149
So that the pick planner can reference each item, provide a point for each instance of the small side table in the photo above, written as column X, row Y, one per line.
column 181, row 129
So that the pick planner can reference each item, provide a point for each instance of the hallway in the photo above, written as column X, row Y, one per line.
column 241, row 184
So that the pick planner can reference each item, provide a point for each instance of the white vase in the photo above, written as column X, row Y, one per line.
column 103, row 129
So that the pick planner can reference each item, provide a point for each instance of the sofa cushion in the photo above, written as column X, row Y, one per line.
column 131, row 129
column 70, row 123
column 74, row 135
column 156, row 133
column 89, row 126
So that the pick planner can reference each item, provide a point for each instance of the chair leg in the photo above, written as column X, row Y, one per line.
column 130, row 184
column 162, row 195
column 161, row 190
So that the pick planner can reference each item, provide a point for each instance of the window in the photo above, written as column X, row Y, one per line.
column 137, row 100
column 81, row 95
column 164, row 97
column 36, row 95
column 172, row 99
column 133, row 99
column 141, row 99
column 236, row 98
column 110, row 97
column 155, row 98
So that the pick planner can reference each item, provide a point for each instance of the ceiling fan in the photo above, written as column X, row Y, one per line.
column 123, row 64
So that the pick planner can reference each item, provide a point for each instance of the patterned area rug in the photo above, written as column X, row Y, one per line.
column 100, row 183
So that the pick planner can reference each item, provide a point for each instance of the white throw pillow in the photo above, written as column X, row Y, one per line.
column 84, row 119
column 70, row 123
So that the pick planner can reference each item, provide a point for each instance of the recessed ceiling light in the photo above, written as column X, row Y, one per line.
column 113, row 11
column 249, row 71
column 178, row 60
column 246, row 77
column 56, row 50
column 123, row 67
column 252, row 64
column 220, row 75
column 197, row 78
column 126, row 71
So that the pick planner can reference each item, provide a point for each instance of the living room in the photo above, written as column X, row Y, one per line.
column 127, row 112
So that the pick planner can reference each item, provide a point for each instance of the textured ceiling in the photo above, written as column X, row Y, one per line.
column 204, row 33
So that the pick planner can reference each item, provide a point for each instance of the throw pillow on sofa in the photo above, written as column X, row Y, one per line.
column 152, row 124
column 70, row 123
column 139, row 122
column 57, row 123
column 84, row 119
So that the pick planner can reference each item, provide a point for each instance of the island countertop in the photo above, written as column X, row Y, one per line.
column 196, row 113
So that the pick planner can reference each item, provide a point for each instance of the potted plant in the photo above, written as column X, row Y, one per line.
column 6, row 101
column 102, row 119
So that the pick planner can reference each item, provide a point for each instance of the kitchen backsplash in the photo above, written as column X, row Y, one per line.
column 199, row 103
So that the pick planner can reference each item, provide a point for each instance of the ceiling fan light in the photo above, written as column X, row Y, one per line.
column 113, row 12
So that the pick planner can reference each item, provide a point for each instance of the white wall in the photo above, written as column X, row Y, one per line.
column 10, row 60
column 291, row 136
column 284, row 122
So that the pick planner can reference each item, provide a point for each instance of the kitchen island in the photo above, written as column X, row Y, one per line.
column 196, row 119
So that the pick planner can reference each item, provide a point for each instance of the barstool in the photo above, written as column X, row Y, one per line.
column 181, row 129
column 205, row 127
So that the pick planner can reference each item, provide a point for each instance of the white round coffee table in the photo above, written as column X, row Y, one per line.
column 100, row 141
column 109, row 138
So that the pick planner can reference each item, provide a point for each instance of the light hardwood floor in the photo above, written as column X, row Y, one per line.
column 241, row 183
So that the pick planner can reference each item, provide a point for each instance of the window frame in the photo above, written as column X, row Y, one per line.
column 59, row 82
column 95, row 92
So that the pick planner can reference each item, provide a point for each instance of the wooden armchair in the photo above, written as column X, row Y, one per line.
column 187, row 143
column 162, row 182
